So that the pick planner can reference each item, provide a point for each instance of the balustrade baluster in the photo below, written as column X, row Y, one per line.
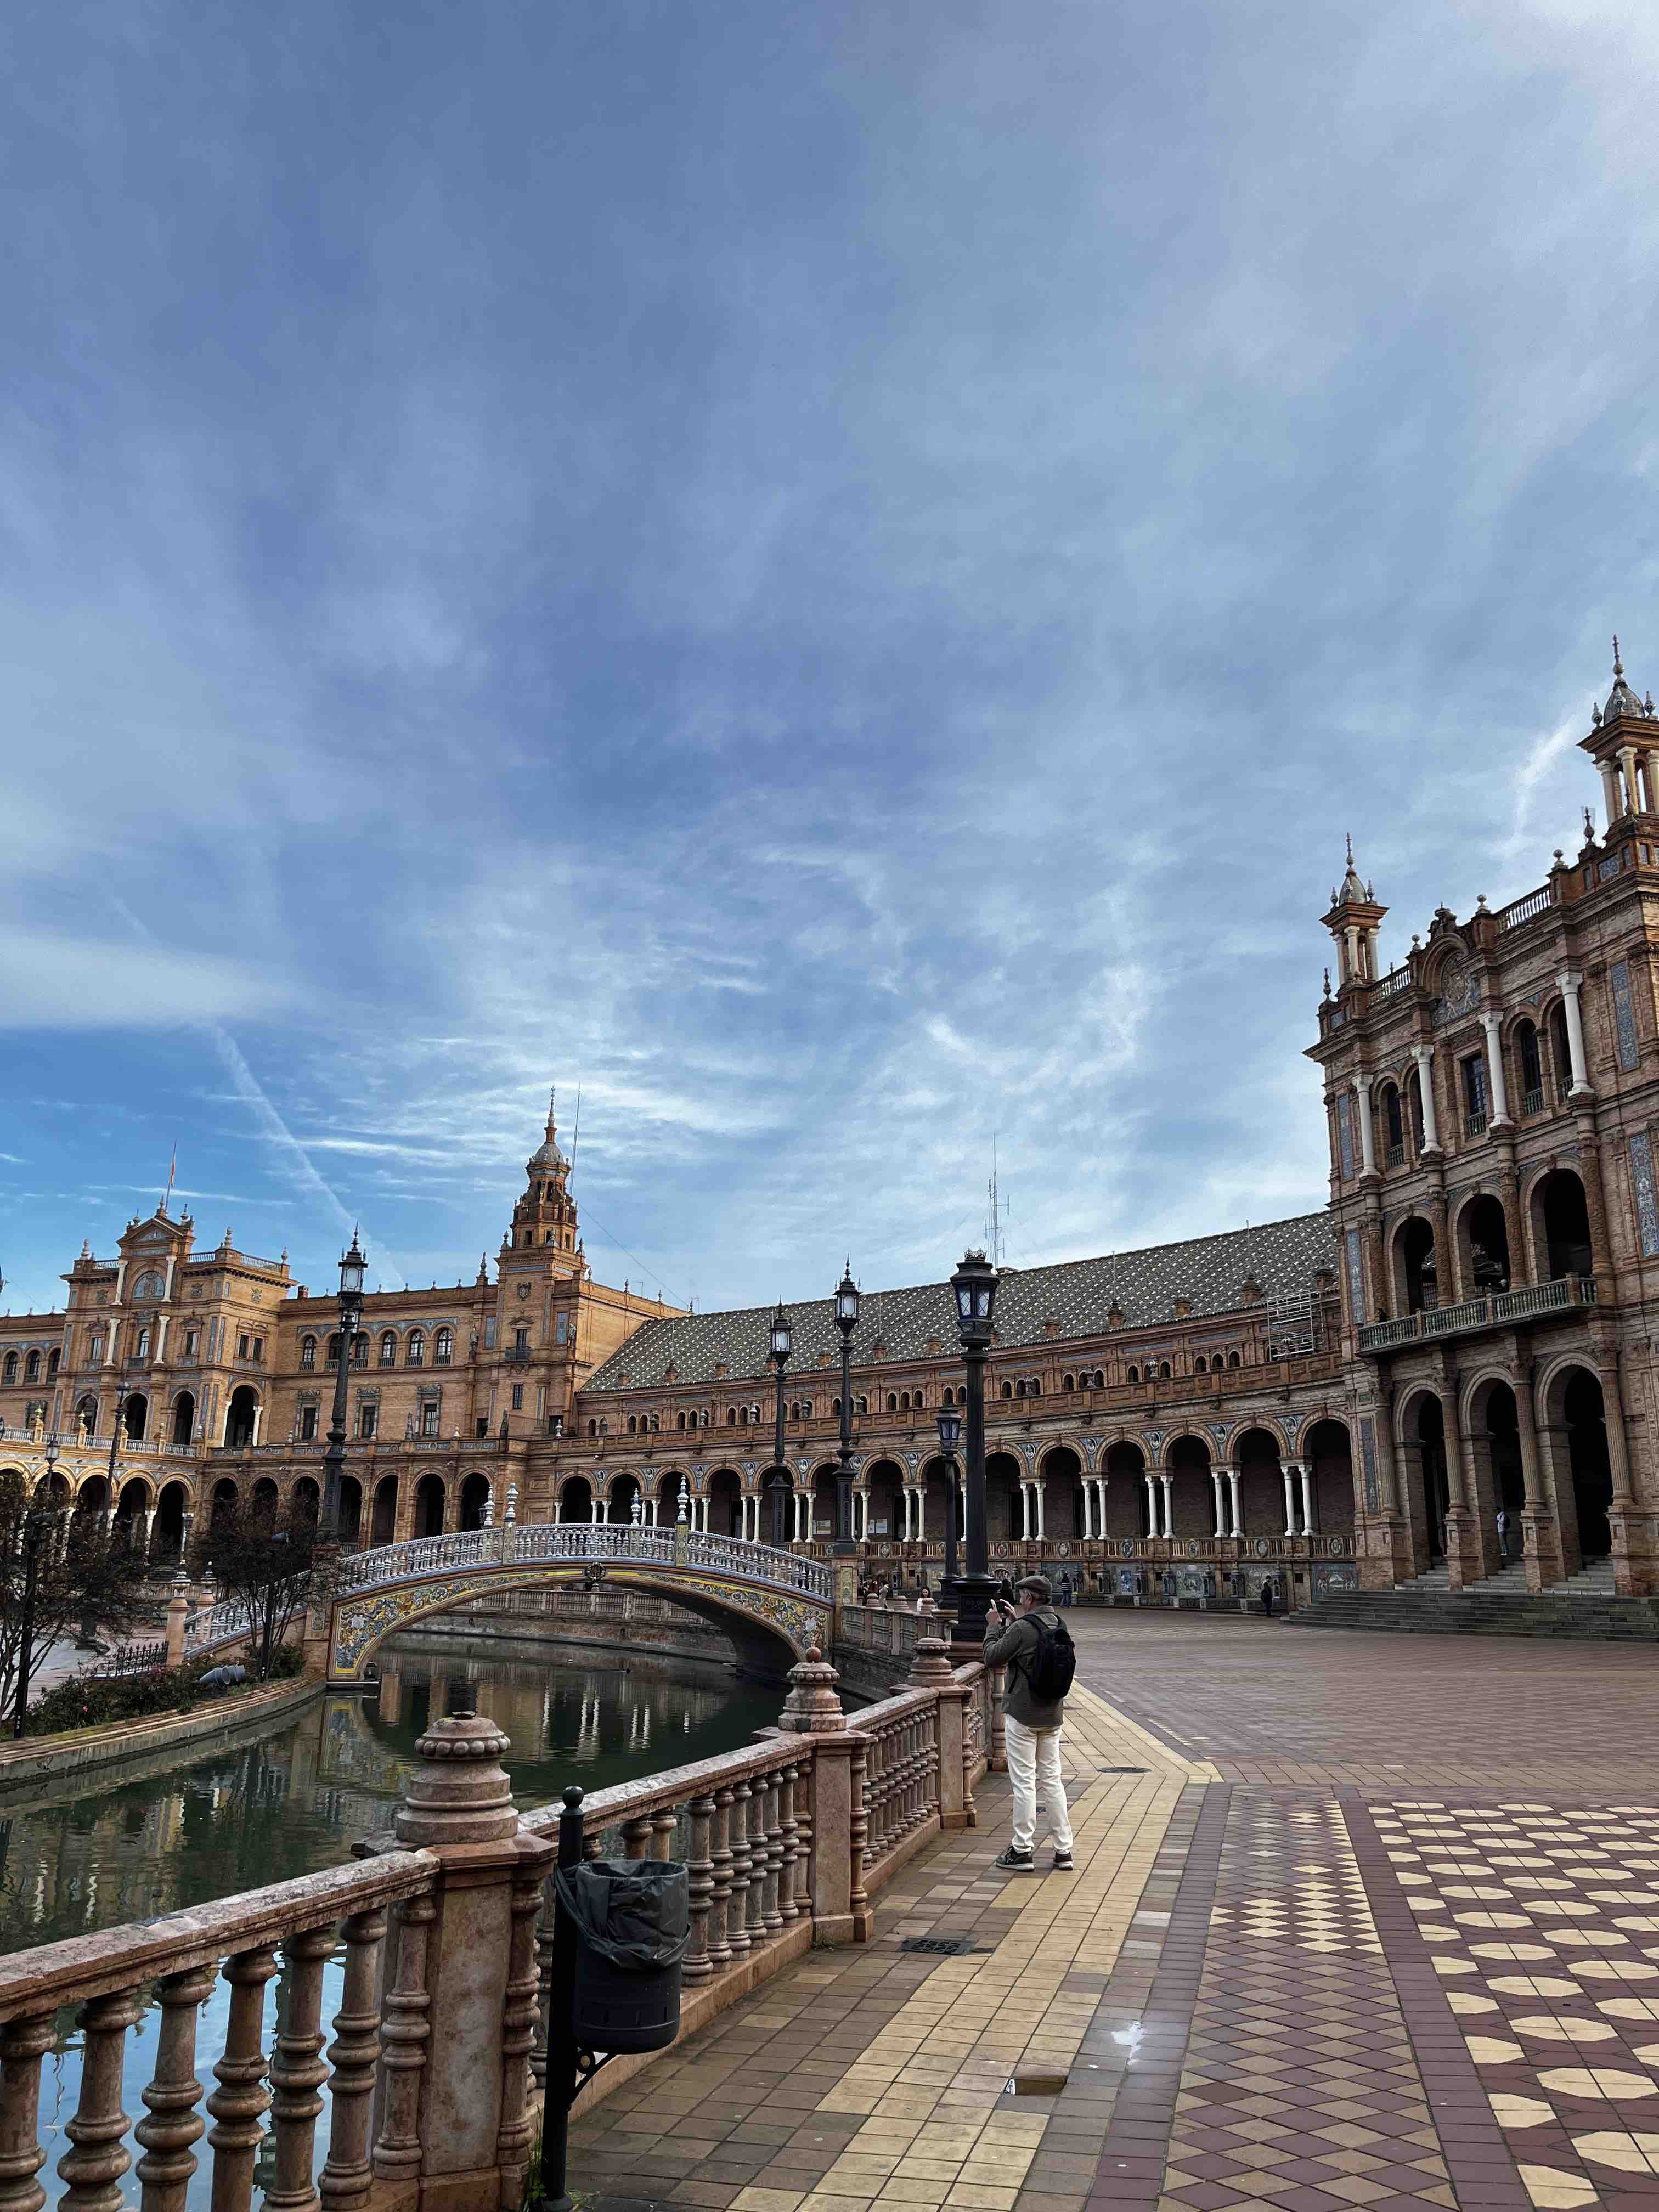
column 93, row 2165
column 858, row 1832
column 636, row 1834
column 806, row 1781
column 757, row 1863
column 719, row 1941
column 517, row 2132
column 297, row 2071
column 23, row 2043
column 544, row 1918
column 354, row 2054
column 736, row 1912
column 405, row 2032
column 664, row 1824
column 789, row 1844
column 241, row 2103
column 699, row 1967
column 774, row 1817
column 174, row 2123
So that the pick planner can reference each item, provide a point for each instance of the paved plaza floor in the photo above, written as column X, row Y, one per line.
column 1357, row 1920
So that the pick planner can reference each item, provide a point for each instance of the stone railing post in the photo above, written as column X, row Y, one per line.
column 319, row 1612
column 996, row 1755
column 931, row 1670
column 475, row 2134
column 177, row 1614
column 841, row 1910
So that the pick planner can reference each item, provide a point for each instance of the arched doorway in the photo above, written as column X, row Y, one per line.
column 351, row 1511
column 936, row 1503
column 429, row 1505
column 241, row 1417
column 666, row 1505
column 1578, row 1418
column 1483, row 1245
column 1125, row 1471
column 1417, row 1270
column 884, row 1480
column 1061, row 1475
column 1192, row 1493
column 183, row 1418
column 305, row 1501
column 265, row 1499
column 624, row 1491
column 826, row 1503
column 91, row 1498
column 576, row 1499
column 778, row 1508
column 725, row 1502
column 386, row 1509
column 1425, row 1441
column 1260, row 1483
column 134, row 1416
column 223, row 1502
column 168, row 1536
column 129, row 1510
column 475, row 1496
column 1329, row 1455
column 1561, row 1219
column 1005, row 1511
column 1495, row 1433
column 85, row 1416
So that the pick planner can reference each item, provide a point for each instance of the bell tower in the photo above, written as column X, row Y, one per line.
column 1624, row 742
column 544, row 1218
column 1353, row 920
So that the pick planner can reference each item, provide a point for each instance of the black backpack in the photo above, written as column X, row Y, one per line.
column 1053, row 1666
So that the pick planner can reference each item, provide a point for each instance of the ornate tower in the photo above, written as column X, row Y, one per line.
column 1624, row 742
column 1353, row 920
column 544, row 1218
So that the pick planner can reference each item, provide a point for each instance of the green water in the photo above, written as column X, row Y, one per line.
column 297, row 1799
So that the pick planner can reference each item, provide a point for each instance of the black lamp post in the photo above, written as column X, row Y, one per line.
column 353, row 1268
column 846, row 1319
column 949, row 1436
column 974, row 1285
column 35, row 1521
column 781, row 1344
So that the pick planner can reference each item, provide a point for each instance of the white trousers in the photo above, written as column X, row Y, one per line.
column 1034, row 1762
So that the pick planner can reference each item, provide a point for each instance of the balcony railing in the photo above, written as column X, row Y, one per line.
column 1396, row 1156
column 1524, row 909
column 516, row 1355
column 1474, row 1122
column 1563, row 1294
column 1532, row 1102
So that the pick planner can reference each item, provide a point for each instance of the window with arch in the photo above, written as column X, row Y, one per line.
column 53, row 1359
column 1135, row 1374
column 835, row 1408
column 1007, row 1389
column 892, row 1401
column 633, row 1425
column 605, row 1423
column 1532, row 1067
column 1100, row 1378
column 10, row 1371
column 415, row 1348
column 141, row 1349
column 443, row 1347
column 592, row 1428
column 1234, row 1360
column 860, row 1405
column 730, row 1417
column 1201, row 1365
column 360, row 1348
column 32, row 1368
column 1394, row 1128
column 151, row 1283
column 1164, row 1370
column 1033, row 1386
column 334, row 1345
column 388, row 1348
column 1067, row 1382
column 307, row 1352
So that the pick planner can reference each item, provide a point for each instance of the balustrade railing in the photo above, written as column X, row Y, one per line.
column 901, row 1776
column 1524, row 909
column 216, row 1624
column 531, row 1542
column 1562, row 1293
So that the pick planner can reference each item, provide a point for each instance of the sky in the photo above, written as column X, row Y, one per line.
column 831, row 576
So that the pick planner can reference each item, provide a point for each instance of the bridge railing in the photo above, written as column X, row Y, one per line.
column 901, row 1780
column 528, row 1543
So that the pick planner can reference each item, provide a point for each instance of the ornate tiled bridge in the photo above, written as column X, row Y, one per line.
column 773, row 1604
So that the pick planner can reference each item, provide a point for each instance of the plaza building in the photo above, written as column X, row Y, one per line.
column 1345, row 1398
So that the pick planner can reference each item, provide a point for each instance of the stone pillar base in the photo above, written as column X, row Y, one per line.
column 1635, row 1551
column 1383, row 1549
column 1465, row 1554
column 1541, row 1537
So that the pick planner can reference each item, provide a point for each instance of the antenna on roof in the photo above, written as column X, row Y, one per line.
column 997, row 1212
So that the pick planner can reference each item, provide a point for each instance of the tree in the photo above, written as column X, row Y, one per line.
column 85, row 1573
column 265, row 1565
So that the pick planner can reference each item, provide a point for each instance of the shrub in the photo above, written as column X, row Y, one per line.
column 287, row 1662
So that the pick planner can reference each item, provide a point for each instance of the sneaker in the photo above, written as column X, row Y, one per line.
column 1063, row 1863
column 1013, row 1862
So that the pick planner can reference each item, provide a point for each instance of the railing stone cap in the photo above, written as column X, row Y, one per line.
column 931, row 1663
column 459, row 1792
column 813, row 1707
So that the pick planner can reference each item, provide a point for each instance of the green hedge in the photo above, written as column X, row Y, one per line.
column 86, row 1701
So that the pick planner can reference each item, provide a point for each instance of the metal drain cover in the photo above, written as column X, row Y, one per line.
column 940, row 1946
column 1035, row 2085
column 1125, row 1770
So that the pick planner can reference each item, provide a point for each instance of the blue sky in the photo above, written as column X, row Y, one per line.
column 833, row 574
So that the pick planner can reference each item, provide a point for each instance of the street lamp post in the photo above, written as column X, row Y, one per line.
column 353, row 1268
column 35, row 1523
column 782, row 1343
column 846, row 1319
column 949, row 1436
column 975, row 1285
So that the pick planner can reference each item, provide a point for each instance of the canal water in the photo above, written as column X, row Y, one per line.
column 297, row 1799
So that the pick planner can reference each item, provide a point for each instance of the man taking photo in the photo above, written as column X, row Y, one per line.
column 1032, row 1644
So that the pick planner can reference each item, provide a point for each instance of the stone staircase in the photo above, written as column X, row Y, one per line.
column 1584, row 1605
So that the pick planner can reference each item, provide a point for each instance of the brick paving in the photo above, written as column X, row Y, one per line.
column 1373, row 1923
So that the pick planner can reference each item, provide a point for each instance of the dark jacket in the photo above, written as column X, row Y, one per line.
column 1015, row 1647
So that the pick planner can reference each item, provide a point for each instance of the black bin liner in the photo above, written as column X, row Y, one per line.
column 633, row 1920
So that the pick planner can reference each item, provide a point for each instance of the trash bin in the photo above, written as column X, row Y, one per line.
column 633, row 1921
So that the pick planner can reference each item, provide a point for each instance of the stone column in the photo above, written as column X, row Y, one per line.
column 1610, row 790
column 1237, row 1528
column 1362, row 1084
column 1571, row 982
column 475, row 2134
column 1167, row 1484
column 1632, row 791
column 841, row 1908
column 1492, row 1023
column 1305, row 1473
column 1289, row 1501
column 1039, row 1489
column 1151, row 1481
column 1424, row 1055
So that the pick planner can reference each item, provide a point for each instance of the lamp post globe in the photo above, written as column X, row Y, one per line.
column 846, row 1304
column 974, row 1286
column 950, row 1437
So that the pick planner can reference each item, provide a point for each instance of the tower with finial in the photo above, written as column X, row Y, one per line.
column 1353, row 920
column 544, row 1218
column 1624, row 742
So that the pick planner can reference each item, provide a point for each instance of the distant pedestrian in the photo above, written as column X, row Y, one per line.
column 1035, row 1648
column 1503, row 1536
column 1267, row 1596
column 1005, row 1590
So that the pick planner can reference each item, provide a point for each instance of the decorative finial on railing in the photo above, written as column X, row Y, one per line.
column 457, row 1791
column 813, row 1707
